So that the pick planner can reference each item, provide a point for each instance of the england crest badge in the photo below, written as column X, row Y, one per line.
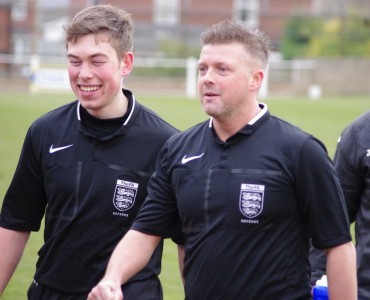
column 125, row 194
column 251, row 199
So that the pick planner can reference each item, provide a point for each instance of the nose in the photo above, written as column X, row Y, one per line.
column 85, row 71
column 206, row 76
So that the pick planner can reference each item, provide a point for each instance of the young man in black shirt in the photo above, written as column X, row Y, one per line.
column 85, row 168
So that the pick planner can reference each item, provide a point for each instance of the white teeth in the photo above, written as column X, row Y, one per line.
column 89, row 88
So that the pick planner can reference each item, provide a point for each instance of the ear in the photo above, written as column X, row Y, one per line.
column 256, row 80
column 127, row 63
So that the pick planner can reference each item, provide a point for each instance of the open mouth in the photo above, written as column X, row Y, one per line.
column 89, row 88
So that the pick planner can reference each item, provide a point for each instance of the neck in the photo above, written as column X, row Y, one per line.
column 117, row 108
column 227, row 126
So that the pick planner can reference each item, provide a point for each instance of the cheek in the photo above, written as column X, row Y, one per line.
column 199, row 85
column 110, row 74
column 72, row 73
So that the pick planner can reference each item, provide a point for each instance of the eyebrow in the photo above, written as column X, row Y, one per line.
column 69, row 55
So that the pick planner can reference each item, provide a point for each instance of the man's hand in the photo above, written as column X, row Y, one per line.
column 106, row 290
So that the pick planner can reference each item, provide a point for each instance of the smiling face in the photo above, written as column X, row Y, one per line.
column 227, row 81
column 96, row 73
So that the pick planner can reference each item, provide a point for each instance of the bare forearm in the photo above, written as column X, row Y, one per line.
column 12, row 244
column 341, row 271
column 130, row 256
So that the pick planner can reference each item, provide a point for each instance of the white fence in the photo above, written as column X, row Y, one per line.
column 50, row 73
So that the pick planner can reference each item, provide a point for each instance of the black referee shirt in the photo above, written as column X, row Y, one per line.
column 90, row 188
column 247, row 208
column 352, row 162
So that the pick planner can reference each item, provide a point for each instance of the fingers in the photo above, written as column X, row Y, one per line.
column 106, row 290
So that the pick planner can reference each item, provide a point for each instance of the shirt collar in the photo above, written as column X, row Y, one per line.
column 130, row 96
column 261, row 113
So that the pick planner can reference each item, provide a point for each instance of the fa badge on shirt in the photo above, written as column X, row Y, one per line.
column 251, row 199
column 125, row 194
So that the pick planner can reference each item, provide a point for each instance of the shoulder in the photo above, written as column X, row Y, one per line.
column 192, row 134
column 287, row 132
column 287, row 127
column 290, row 141
column 359, row 125
column 57, row 115
column 356, row 134
column 193, row 139
column 152, row 121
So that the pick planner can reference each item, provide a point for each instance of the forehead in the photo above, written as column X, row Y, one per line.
column 232, row 53
column 89, row 45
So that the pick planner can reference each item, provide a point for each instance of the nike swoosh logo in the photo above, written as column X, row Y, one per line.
column 187, row 159
column 52, row 150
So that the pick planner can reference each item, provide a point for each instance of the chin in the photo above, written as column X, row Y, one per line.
column 209, row 109
column 88, row 104
column 210, row 112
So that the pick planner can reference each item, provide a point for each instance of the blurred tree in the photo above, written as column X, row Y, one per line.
column 342, row 37
column 298, row 33
column 335, row 37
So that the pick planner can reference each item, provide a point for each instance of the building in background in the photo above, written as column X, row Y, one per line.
column 165, row 29
column 28, row 24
